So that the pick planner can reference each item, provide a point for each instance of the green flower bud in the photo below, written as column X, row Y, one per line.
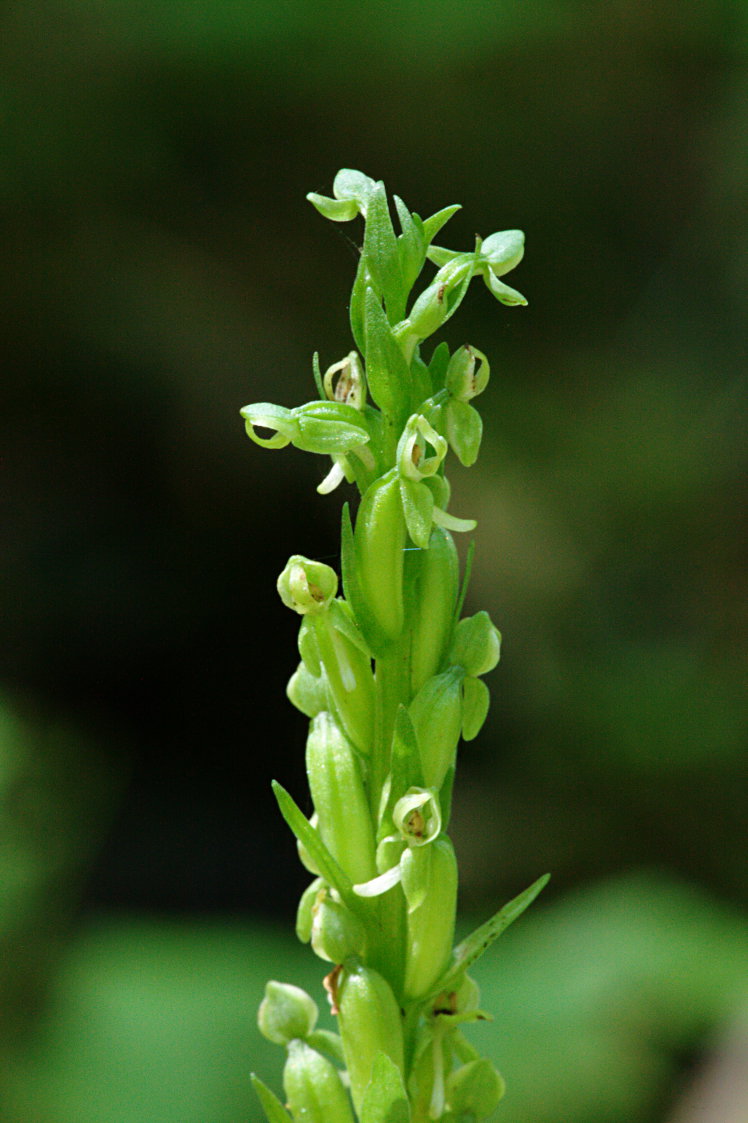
column 418, row 817
column 379, row 541
column 304, row 910
column 429, row 879
column 286, row 1012
column 475, row 1090
column 350, row 384
column 337, row 788
column 307, row 586
column 413, row 461
column 462, row 380
column 370, row 1023
column 433, row 576
column 475, row 702
column 436, row 712
column 336, row 933
column 313, row 1087
column 307, row 692
column 476, row 644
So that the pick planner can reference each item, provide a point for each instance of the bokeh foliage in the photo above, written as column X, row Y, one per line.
column 162, row 269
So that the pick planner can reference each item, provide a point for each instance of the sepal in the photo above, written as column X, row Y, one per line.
column 475, row 1090
column 476, row 700
column 337, row 210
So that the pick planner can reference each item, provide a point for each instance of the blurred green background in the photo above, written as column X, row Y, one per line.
column 162, row 269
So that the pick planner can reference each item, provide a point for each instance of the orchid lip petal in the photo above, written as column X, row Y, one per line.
column 380, row 884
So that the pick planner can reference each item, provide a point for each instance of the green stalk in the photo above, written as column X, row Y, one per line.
column 390, row 678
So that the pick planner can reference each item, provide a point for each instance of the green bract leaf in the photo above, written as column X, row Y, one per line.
column 385, row 1099
column 274, row 1110
column 338, row 210
column 382, row 256
column 376, row 639
column 411, row 246
column 386, row 369
column 315, row 847
column 432, row 226
column 343, row 621
column 473, row 946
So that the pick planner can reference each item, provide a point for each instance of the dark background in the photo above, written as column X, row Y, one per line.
column 162, row 268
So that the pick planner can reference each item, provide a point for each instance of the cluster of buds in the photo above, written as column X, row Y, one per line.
column 390, row 677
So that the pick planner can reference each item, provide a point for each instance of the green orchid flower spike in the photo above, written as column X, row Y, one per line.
column 391, row 678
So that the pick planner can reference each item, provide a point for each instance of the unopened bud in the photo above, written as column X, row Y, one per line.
column 307, row 586
column 476, row 644
column 339, row 797
column 336, row 933
column 370, row 1023
column 286, row 1012
column 436, row 712
column 429, row 877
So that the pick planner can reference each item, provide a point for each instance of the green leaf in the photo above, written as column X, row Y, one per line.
column 315, row 847
column 382, row 256
column 385, row 1099
column 473, row 946
column 356, row 308
column 418, row 508
column 376, row 640
column 274, row 1110
column 386, row 369
column 433, row 225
